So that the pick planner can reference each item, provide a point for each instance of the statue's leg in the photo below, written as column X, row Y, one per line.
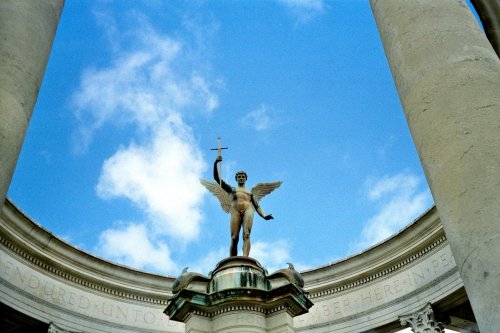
column 247, row 229
column 235, row 233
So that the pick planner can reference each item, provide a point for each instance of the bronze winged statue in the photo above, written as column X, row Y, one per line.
column 240, row 203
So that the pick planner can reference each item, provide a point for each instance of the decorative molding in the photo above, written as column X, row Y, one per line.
column 228, row 309
column 422, row 321
column 79, row 281
column 334, row 288
column 382, row 273
column 288, row 298
column 157, row 301
column 246, row 308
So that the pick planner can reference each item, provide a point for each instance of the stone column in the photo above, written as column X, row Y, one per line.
column 448, row 79
column 27, row 29
column 198, row 324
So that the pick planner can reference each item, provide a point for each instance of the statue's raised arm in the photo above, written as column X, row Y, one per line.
column 217, row 178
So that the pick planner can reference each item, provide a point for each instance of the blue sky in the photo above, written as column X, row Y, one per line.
column 136, row 93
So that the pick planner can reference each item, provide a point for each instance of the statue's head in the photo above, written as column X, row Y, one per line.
column 241, row 177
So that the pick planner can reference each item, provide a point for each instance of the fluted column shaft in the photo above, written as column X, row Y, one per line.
column 448, row 79
column 27, row 30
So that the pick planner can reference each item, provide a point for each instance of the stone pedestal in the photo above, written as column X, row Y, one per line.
column 238, row 296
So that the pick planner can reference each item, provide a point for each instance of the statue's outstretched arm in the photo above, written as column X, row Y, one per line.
column 222, row 183
column 260, row 211
column 258, row 192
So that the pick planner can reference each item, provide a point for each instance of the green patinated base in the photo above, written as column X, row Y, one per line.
column 238, row 284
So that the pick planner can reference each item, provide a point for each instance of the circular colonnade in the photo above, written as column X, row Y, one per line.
column 58, row 285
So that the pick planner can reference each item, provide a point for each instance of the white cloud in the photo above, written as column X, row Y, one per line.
column 304, row 10
column 272, row 256
column 399, row 199
column 207, row 263
column 258, row 119
column 162, row 178
column 131, row 245
column 392, row 185
column 147, row 88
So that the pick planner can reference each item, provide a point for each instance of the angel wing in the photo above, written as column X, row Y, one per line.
column 223, row 196
column 262, row 189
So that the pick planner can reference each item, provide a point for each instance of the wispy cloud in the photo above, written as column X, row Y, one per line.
column 399, row 200
column 150, row 84
column 140, row 87
column 258, row 119
column 304, row 10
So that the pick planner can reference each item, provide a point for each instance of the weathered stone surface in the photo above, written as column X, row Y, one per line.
column 27, row 29
column 448, row 79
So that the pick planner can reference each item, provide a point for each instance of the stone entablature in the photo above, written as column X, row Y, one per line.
column 54, row 282
column 393, row 278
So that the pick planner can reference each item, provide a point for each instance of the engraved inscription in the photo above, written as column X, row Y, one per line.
column 74, row 299
column 377, row 294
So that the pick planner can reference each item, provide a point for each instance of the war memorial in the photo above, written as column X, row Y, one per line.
column 441, row 271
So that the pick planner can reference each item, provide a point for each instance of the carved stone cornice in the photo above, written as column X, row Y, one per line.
column 381, row 274
column 404, row 249
column 287, row 298
column 77, row 280
column 333, row 287
column 26, row 240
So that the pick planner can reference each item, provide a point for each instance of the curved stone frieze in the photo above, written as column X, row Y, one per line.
column 393, row 278
column 54, row 282
column 48, row 279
